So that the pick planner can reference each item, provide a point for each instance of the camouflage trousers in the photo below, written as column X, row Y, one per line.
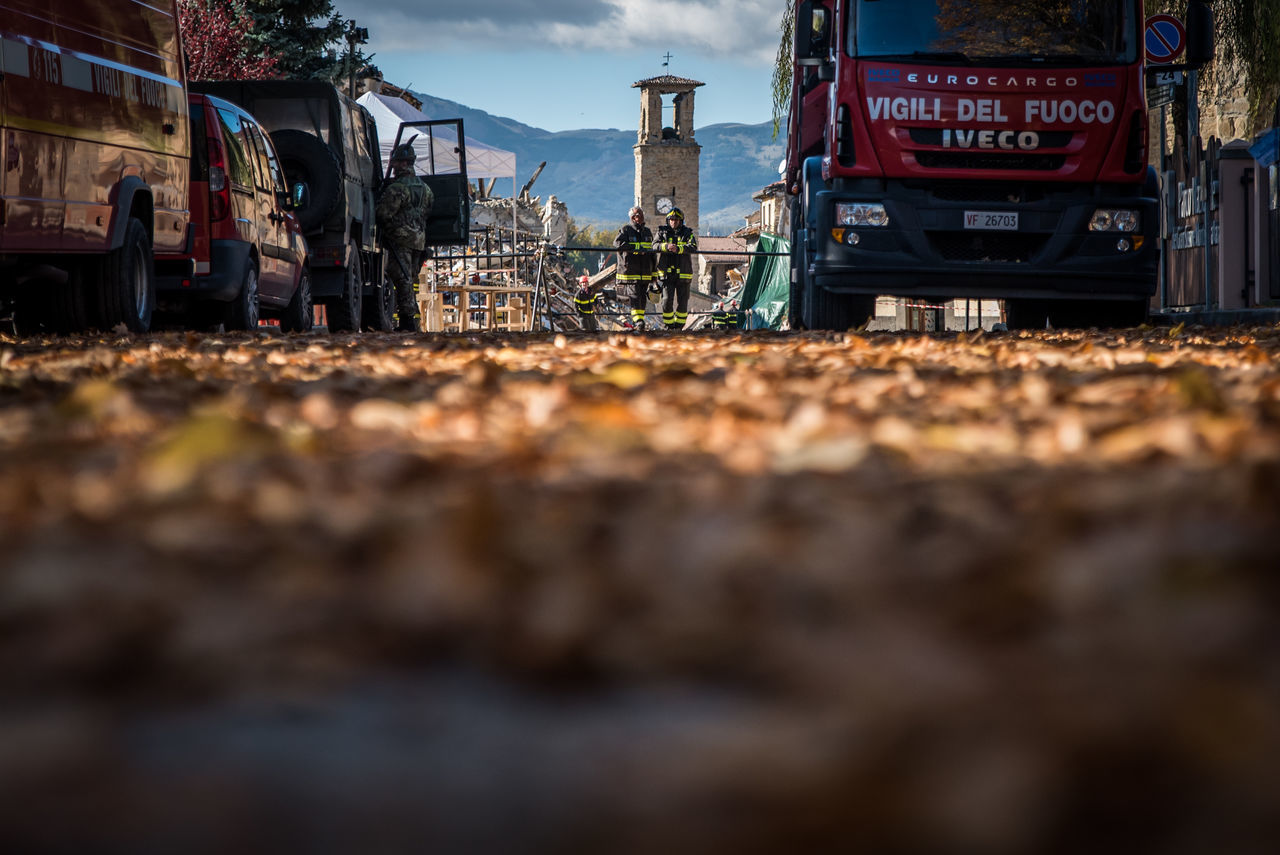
column 402, row 267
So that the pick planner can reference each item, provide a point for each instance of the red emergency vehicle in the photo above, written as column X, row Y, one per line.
column 94, row 146
column 945, row 149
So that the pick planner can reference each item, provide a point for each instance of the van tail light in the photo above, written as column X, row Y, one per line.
column 219, row 189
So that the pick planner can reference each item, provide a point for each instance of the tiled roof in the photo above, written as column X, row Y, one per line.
column 667, row 80
column 724, row 244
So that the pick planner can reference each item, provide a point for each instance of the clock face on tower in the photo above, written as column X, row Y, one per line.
column 663, row 204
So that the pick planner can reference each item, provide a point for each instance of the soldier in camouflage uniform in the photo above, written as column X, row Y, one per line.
column 403, row 208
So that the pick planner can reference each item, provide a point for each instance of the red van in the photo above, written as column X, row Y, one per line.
column 94, row 147
column 247, row 255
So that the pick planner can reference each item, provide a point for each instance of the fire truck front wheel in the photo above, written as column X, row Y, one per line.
column 824, row 310
column 795, row 308
column 1032, row 314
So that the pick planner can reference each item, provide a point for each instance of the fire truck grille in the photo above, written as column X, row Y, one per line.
column 985, row 192
column 1003, row 160
column 1044, row 139
column 987, row 248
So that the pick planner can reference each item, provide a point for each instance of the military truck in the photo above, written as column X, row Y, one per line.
column 329, row 143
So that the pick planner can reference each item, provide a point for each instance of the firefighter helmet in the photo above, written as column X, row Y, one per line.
column 675, row 213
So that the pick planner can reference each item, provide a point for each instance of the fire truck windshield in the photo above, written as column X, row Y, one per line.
column 1087, row 32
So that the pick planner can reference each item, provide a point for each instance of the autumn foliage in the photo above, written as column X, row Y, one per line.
column 214, row 39
column 950, row 594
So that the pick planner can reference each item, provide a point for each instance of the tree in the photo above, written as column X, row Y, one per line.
column 586, row 262
column 1249, row 34
column 215, row 42
column 781, row 84
column 306, row 36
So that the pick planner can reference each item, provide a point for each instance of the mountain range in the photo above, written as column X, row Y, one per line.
column 593, row 170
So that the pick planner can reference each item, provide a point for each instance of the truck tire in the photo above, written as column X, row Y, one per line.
column 243, row 312
column 380, row 308
column 306, row 158
column 1032, row 314
column 840, row 312
column 126, row 282
column 795, row 308
column 344, row 312
column 1117, row 314
column 299, row 315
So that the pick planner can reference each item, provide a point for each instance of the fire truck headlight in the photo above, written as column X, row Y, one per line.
column 861, row 214
column 1114, row 220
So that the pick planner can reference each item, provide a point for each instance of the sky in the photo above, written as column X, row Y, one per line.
column 569, row 64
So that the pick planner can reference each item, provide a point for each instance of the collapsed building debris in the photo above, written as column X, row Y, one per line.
column 551, row 221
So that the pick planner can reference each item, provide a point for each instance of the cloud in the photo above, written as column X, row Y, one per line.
column 745, row 30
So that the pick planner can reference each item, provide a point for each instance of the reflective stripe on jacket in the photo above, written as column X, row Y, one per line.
column 635, row 253
column 685, row 244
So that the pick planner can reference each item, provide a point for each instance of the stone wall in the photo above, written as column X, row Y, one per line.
column 660, row 169
column 1224, row 108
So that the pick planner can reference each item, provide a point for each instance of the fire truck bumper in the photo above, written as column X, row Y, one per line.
column 946, row 247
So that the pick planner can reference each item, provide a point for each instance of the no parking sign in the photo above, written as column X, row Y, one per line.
column 1164, row 38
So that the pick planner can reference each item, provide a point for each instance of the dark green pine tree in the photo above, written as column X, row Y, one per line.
column 305, row 36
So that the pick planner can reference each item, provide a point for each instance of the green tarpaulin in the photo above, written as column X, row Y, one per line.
column 767, row 291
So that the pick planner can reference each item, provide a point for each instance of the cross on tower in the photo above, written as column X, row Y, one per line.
column 667, row 59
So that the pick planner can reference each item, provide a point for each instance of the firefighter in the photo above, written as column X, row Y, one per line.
column 725, row 315
column 585, row 302
column 676, row 243
column 718, row 316
column 635, row 264
column 403, row 208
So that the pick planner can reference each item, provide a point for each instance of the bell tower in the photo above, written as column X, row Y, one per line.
column 667, row 155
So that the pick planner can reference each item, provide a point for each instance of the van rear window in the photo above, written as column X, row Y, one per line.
column 237, row 146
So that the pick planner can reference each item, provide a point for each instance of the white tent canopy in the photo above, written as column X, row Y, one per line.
column 483, row 161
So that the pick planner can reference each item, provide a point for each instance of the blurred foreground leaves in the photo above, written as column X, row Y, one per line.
column 764, row 593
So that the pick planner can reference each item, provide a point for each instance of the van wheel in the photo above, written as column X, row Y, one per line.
column 305, row 157
column 380, row 309
column 299, row 315
column 243, row 313
column 126, row 286
column 344, row 313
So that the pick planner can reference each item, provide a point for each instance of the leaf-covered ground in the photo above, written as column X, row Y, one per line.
column 758, row 593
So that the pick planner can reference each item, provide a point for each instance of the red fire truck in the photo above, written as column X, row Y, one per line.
column 944, row 149
column 94, row 142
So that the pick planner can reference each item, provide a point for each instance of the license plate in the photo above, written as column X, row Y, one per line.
column 995, row 221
